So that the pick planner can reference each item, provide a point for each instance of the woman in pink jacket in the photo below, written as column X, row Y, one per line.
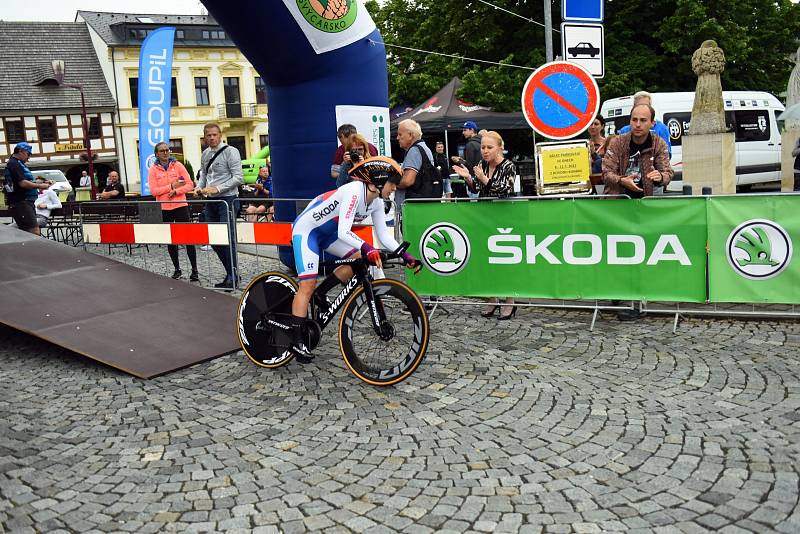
column 169, row 182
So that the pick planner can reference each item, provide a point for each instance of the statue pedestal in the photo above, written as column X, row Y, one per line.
column 709, row 160
column 788, row 140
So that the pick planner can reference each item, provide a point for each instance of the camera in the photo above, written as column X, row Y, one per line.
column 354, row 156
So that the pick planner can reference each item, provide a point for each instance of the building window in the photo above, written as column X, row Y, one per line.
column 173, row 98
column 47, row 130
column 94, row 128
column 231, row 86
column 213, row 34
column 201, row 90
column 261, row 91
column 15, row 132
column 134, row 84
column 263, row 140
column 176, row 146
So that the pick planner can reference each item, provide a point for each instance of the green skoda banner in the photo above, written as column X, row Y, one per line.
column 750, row 245
column 593, row 248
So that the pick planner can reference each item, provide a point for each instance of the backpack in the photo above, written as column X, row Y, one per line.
column 428, row 183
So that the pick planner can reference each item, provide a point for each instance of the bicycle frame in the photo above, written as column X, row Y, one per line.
column 360, row 277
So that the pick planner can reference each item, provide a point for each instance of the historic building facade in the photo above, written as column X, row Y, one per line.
column 36, row 107
column 211, row 82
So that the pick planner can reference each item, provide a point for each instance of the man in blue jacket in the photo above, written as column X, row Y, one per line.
column 21, row 189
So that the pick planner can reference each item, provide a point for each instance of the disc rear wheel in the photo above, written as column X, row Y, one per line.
column 265, row 305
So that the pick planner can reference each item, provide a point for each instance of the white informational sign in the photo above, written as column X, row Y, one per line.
column 373, row 123
column 331, row 25
column 370, row 121
column 584, row 44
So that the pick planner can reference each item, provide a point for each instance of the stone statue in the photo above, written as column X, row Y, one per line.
column 793, row 88
column 793, row 92
column 708, row 112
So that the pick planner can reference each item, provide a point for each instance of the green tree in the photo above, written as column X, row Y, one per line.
column 649, row 45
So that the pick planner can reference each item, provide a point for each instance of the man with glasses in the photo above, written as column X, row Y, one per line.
column 220, row 178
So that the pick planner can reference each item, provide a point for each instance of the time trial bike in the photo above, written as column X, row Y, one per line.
column 383, row 329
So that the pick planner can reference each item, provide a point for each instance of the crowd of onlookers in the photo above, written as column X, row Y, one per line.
column 635, row 163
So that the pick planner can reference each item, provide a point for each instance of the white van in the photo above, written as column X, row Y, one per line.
column 751, row 115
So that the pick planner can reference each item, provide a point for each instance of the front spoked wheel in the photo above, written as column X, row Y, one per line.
column 264, row 310
column 391, row 356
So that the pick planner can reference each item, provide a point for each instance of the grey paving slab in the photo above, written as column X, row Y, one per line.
column 528, row 425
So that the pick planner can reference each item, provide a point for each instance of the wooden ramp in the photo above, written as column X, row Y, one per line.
column 133, row 320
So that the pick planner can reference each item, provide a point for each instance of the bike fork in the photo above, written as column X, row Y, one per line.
column 378, row 314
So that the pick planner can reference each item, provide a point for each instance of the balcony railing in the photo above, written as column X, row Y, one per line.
column 237, row 111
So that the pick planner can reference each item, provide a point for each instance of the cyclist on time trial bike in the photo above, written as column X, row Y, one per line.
column 326, row 225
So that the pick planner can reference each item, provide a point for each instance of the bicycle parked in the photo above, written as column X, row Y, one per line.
column 382, row 349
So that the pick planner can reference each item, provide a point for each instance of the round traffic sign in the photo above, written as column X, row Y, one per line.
column 560, row 100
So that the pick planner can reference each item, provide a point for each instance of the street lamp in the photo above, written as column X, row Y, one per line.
column 58, row 70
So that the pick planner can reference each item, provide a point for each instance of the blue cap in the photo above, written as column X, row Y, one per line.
column 24, row 146
column 471, row 125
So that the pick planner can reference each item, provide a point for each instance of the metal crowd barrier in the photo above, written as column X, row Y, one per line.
column 138, row 224
column 596, row 306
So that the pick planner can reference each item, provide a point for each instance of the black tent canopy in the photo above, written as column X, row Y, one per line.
column 444, row 111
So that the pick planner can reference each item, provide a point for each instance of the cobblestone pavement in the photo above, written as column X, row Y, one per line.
column 528, row 425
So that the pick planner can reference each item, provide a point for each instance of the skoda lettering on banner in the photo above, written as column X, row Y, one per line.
column 572, row 249
column 560, row 100
column 155, row 89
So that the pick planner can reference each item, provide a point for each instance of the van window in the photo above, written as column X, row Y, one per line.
column 615, row 124
column 678, row 125
column 752, row 125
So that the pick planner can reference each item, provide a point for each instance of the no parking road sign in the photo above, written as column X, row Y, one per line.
column 560, row 100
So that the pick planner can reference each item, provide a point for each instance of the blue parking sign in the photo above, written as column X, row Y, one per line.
column 585, row 10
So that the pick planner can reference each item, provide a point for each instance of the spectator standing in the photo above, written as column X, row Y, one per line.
column 494, row 177
column 633, row 164
column 419, row 172
column 262, row 190
column 169, row 181
column 356, row 149
column 637, row 161
column 596, row 138
column 220, row 178
column 443, row 168
column 113, row 189
column 21, row 189
column 342, row 133
column 472, row 151
column 45, row 203
column 659, row 128
column 84, row 181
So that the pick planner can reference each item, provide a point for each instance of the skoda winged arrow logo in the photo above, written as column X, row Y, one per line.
column 445, row 248
column 759, row 249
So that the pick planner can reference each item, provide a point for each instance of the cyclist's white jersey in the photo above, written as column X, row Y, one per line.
column 327, row 222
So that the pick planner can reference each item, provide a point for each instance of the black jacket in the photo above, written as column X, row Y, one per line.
column 440, row 160
column 472, row 152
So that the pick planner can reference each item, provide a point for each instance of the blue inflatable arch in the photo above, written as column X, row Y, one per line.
column 304, row 86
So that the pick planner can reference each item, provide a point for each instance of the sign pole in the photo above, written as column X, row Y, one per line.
column 548, row 31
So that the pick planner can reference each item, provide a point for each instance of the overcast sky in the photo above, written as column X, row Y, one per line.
column 64, row 10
